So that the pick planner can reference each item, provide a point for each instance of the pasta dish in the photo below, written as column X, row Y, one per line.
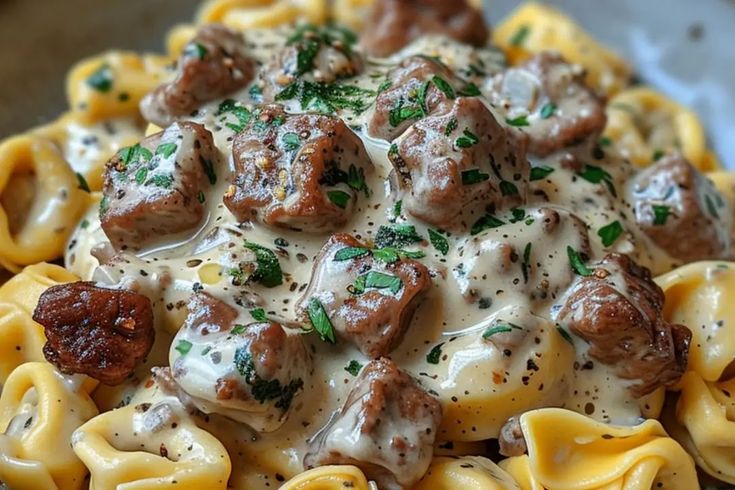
column 366, row 244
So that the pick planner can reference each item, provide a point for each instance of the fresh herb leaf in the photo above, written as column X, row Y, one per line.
column 259, row 315
column 474, row 176
column 390, row 254
column 485, row 223
column 101, row 80
column 451, row 126
column 353, row 367
column 548, row 110
column 396, row 236
column 500, row 328
column 435, row 354
column 470, row 90
column 467, row 139
column 326, row 98
column 84, row 224
column 238, row 329
column 576, row 262
column 356, row 180
column 320, row 321
column 184, row 346
column 376, row 280
column 661, row 213
column 384, row 86
column 291, row 141
column 508, row 188
column 339, row 198
column 141, row 174
column 401, row 113
column 164, row 181
column 605, row 141
column 209, row 170
column 397, row 209
column 255, row 92
column 268, row 271
column 349, row 253
column 519, row 37
column 526, row 264
column 439, row 241
column 711, row 206
column 518, row 122
column 540, row 172
column 201, row 197
column 265, row 390
column 658, row 155
column 596, row 175
column 83, row 185
column 166, row 149
column 206, row 350
column 444, row 86
column 610, row 233
column 565, row 335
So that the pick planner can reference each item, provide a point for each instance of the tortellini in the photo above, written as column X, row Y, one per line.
column 569, row 451
column 25, row 288
column 329, row 478
column 645, row 125
column 534, row 28
column 244, row 14
column 40, row 201
column 699, row 295
column 39, row 410
column 471, row 472
column 151, row 445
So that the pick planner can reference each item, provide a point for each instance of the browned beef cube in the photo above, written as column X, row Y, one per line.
column 681, row 211
column 618, row 311
column 159, row 186
column 395, row 23
column 303, row 171
column 214, row 64
column 103, row 333
column 547, row 99
column 370, row 302
column 386, row 427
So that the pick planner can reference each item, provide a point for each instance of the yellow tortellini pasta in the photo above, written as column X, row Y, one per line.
column 22, row 339
column 25, row 288
column 151, row 445
column 569, row 451
column 39, row 410
column 699, row 296
column 40, row 201
column 519, row 467
column 178, row 37
column 534, row 28
column 329, row 478
column 645, row 125
column 705, row 424
column 471, row 473
column 111, row 85
column 244, row 14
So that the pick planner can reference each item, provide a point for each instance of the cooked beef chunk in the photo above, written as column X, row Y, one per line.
column 681, row 211
column 207, row 314
column 370, row 302
column 548, row 99
column 214, row 64
column 511, row 440
column 618, row 311
column 411, row 91
column 159, row 186
column 300, row 171
column 395, row 23
column 386, row 427
column 459, row 160
column 103, row 333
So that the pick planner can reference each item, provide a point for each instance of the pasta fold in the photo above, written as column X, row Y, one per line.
column 470, row 472
column 329, row 478
column 245, row 14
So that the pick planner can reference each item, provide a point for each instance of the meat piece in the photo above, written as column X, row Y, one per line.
column 511, row 440
column 369, row 302
column 458, row 161
column 214, row 64
column 207, row 314
column 314, row 54
column 550, row 102
column 618, row 311
column 158, row 187
column 409, row 93
column 682, row 211
column 301, row 171
column 386, row 427
column 103, row 333
column 395, row 23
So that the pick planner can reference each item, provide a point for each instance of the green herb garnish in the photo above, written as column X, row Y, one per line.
column 518, row 122
column 576, row 262
column 519, row 37
column 376, row 280
column 183, row 347
column 435, row 354
column 101, row 80
column 661, row 213
column 439, row 242
column 320, row 321
column 548, row 110
column 474, row 176
column 540, row 172
column 339, row 198
column 268, row 271
column 83, row 185
column 166, row 149
column 467, row 139
column 610, row 233
column 259, row 315
column 396, row 236
column 353, row 367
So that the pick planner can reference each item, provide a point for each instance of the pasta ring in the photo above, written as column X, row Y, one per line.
column 23, row 339
column 473, row 472
column 329, row 478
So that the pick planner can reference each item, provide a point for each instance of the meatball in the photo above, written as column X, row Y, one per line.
column 681, row 211
column 386, row 427
column 302, row 171
column 617, row 309
column 214, row 64
column 395, row 23
column 158, row 187
column 547, row 97
column 103, row 333
column 369, row 301
column 458, row 161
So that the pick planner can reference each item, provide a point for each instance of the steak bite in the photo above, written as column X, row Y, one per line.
column 386, row 427
column 369, row 300
column 550, row 96
column 303, row 171
column 681, row 211
column 214, row 64
column 459, row 160
column 158, row 187
column 395, row 23
column 412, row 90
column 103, row 333
column 618, row 311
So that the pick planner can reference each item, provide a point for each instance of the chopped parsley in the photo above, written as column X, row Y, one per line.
column 605, row 141
column 265, row 390
column 384, row 86
column 518, row 122
column 435, row 354
column 326, row 98
column 485, row 223
column 610, row 233
column 201, row 197
column 291, row 141
column 444, row 86
column 268, row 271
column 451, row 126
column 141, row 174
column 401, row 112
column 376, row 280
column 259, row 315
column 339, row 198
column 183, row 347
column 349, row 253
column 242, row 114
column 209, row 170
column 596, row 175
column 309, row 39
column 661, row 213
column 166, row 149
column 474, row 176
column 519, row 37
column 397, row 209
column 134, row 154
column 390, row 254
column 397, row 236
column 548, row 110
column 320, row 321
column 657, row 155
column 165, row 181
column 83, row 185
column 84, row 224
column 467, row 139
column 470, row 90
column 711, row 206
column 353, row 367
column 101, row 80
column 500, row 328
column 526, row 264
column 439, row 242
column 356, row 180
column 518, row 215
column 238, row 329
column 577, row 263
column 255, row 92
column 540, row 172
column 565, row 335
column 508, row 188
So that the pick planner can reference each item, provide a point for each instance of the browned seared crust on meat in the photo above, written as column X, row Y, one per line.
column 395, row 23
column 214, row 64
column 618, row 311
column 103, row 333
